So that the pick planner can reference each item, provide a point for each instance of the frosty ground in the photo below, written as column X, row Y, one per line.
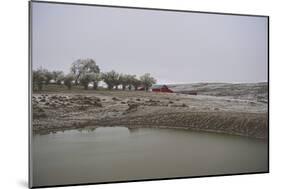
column 239, row 109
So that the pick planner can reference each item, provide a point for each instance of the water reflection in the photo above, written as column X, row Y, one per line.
column 133, row 130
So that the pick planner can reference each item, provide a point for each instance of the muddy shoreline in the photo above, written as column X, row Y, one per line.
column 250, row 127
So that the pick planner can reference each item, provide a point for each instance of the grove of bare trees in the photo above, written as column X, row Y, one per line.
column 85, row 72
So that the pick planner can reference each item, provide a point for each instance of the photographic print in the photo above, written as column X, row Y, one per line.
column 122, row 94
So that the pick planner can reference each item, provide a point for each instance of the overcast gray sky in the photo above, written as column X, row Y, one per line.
column 174, row 47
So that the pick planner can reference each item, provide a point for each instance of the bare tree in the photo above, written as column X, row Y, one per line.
column 60, row 79
column 68, row 80
column 86, row 79
column 131, row 79
column 48, row 76
column 96, row 79
column 57, row 76
column 123, row 79
column 116, row 80
column 147, row 81
column 111, row 79
column 83, row 66
column 38, row 79
column 136, row 83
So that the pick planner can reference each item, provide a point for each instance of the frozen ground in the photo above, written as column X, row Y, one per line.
column 239, row 109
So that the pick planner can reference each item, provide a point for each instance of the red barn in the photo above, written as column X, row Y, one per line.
column 161, row 88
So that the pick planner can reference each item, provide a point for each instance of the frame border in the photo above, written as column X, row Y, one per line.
column 30, row 179
column 144, row 8
column 30, row 93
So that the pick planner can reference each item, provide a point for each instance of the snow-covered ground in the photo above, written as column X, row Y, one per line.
column 247, row 91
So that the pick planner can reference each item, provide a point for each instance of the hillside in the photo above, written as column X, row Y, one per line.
column 246, row 91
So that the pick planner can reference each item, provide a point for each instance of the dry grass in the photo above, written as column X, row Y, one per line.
column 58, row 108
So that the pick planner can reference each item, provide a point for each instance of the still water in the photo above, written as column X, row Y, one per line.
column 119, row 153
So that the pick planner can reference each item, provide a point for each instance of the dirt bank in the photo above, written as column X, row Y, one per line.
column 67, row 110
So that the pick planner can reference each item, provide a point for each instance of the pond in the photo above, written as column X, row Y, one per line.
column 118, row 154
